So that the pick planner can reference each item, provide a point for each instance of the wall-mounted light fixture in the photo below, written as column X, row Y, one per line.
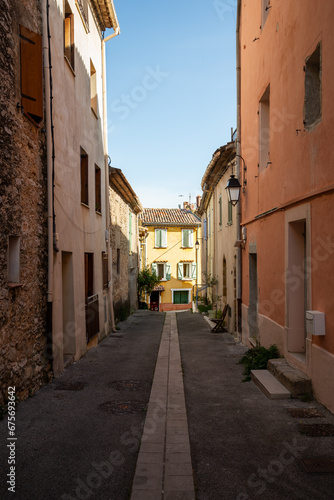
column 197, row 245
column 233, row 190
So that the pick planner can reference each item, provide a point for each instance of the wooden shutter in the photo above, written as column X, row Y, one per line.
column 98, row 204
column 31, row 74
column 154, row 267
column 105, row 269
column 168, row 272
column 190, row 238
column 163, row 238
column 193, row 272
column 180, row 271
column 84, row 176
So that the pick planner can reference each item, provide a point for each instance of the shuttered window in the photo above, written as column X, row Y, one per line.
column 84, row 176
column 161, row 238
column 180, row 297
column 229, row 213
column 31, row 74
column 105, row 269
column 187, row 238
column 98, row 204
column 69, row 35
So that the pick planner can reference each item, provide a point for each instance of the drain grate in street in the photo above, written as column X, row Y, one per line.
column 305, row 413
column 70, row 386
column 324, row 465
column 123, row 407
column 129, row 385
column 316, row 430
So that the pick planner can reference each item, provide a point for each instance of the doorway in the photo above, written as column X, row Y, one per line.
column 154, row 301
column 296, row 283
column 253, row 298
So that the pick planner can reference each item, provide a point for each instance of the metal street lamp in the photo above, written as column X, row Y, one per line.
column 233, row 190
column 197, row 245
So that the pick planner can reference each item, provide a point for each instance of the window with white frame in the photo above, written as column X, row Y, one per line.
column 161, row 238
column 187, row 238
column 186, row 270
column 162, row 270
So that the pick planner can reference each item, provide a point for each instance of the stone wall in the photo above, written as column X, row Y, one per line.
column 23, row 214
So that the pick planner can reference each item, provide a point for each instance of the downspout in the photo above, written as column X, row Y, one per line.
column 50, row 156
column 238, row 152
column 106, row 168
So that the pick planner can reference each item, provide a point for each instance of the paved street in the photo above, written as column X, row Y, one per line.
column 76, row 439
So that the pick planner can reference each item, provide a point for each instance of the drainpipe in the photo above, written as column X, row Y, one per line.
column 105, row 141
column 49, row 161
column 238, row 152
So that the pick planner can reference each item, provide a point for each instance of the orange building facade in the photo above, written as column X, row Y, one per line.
column 285, row 126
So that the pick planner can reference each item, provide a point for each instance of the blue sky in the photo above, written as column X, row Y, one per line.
column 171, row 94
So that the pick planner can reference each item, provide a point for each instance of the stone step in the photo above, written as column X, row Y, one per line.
column 293, row 379
column 269, row 385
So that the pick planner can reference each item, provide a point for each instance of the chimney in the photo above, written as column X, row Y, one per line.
column 198, row 201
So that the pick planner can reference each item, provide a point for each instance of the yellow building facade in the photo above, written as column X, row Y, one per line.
column 170, row 250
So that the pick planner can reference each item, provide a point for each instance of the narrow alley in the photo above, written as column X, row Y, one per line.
column 93, row 432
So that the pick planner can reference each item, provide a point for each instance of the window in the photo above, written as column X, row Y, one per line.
column 31, row 74
column 89, row 274
column 162, row 270
column 93, row 89
column 180, row 296
column 13, row 272
column 105, row 273
column 186, row 270
column 84, row 176
column 312, row 103
column 265, row 9
column 130, row 231
column 98, row 204
column 187, row 238
column 205, row 230
column 220, row 211
column 118, row 263
column 229, row 213
column 161, row 238
column 69, row 35
column 264, row 129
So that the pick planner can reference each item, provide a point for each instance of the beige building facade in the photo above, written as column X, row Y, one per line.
column 219, row 231
column 79, row 254
column 125, row 208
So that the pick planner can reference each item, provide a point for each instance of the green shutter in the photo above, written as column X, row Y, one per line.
column 168, row 271
column 193, row 273
column 154, row 267
column 158, row 238
column 229, row 214
column 191, row 238
column 220, row 211
column 180, row 271
column 185, row 238
column 163, row 238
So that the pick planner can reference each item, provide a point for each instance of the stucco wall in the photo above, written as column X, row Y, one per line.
column 81, row 229
column 22, row 214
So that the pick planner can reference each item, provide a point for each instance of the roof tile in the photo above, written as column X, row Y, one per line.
column 169, row 216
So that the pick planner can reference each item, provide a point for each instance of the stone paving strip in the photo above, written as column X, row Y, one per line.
column 164, row 470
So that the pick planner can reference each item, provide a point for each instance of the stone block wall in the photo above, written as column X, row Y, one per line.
column 23, row 214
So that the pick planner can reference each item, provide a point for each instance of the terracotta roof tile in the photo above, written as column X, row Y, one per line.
column 169, row 216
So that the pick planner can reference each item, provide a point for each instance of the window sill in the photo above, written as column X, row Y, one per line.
column 69, row 65
column 84, row 204
column 98, row 212
column 160, row 247
column 14, row 285
column 229, row 224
